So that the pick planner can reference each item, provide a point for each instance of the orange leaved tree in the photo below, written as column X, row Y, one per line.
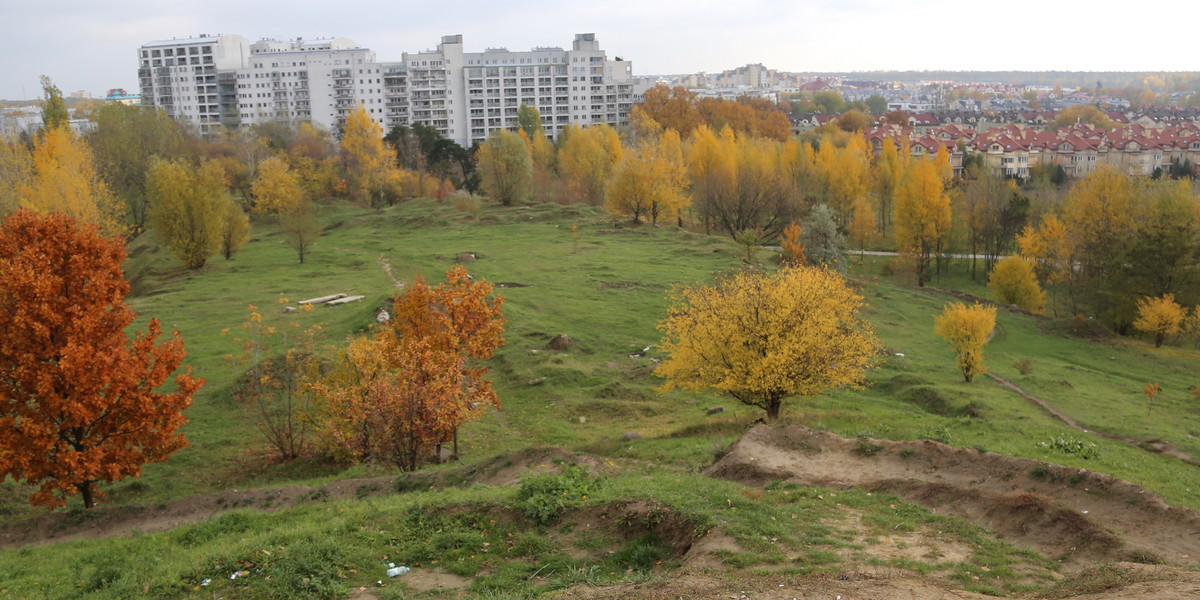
column 398, row 395
column 77, row 399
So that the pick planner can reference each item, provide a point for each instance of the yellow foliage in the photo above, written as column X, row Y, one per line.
column 188, row 208
column 967, row 329
column 762, row 338
column 369, row 163
column 1014, row 282
column 65, row 181
column 922, row 215
column 1160, row 316
column 275, row 189
column 793, row 247
column 650, row 180
column 587, row 158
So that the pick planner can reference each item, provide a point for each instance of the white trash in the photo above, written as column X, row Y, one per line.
column 396, row 571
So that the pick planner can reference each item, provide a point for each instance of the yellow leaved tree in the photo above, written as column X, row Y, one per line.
column 650, row 180
column 275, row 188
column 1014, row 282
column 1161, row 316
column 369, row 163
column 761, row 338
column 967, row 329
column 65, row 181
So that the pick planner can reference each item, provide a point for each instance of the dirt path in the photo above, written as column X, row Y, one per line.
column 1155, row 446
column 387, row 269
column 1074, row 515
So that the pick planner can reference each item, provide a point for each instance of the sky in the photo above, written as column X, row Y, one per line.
column 91, row 44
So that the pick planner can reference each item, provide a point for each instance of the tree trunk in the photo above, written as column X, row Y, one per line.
column 87, row 490
column 773, row 410
column 1158, row 340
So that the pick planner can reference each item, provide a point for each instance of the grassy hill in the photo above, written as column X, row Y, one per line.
column 606, row 290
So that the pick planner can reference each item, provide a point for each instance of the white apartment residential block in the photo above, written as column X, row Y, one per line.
column 464, row 95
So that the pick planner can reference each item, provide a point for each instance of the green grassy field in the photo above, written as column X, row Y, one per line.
column 606, row 290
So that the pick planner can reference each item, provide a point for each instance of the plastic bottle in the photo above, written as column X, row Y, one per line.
column 394, row 571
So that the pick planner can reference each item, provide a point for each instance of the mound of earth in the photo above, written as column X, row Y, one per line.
column 1074, row 515
column 111, row 521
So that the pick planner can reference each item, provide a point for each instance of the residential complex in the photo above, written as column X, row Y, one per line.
column 226, row 81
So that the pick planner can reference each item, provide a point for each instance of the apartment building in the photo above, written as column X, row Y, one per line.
column 464, row 95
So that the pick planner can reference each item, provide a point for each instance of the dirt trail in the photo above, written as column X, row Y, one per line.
column 1071, row 514
column 113, row 521
column 1155, row 446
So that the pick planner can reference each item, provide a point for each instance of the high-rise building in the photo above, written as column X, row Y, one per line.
column 226, row 81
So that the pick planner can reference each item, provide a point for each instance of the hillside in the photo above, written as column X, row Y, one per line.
column 655, row 505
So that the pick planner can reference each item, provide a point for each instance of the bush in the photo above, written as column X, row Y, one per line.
column 1024, row 366
column 936, row 433
column 544, row 497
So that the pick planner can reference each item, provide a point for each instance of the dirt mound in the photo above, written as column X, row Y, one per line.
column 112, row 521
column 1070, row 514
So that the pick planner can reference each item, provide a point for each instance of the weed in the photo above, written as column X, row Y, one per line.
column 1024, row 366
column 544, row 497
column 1071, row 445
column 936, row 433
column 1099, row 578
column 365, row 490
column 907, row 452
column 866, row 447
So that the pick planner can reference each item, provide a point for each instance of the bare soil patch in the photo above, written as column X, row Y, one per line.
column 1073, row 515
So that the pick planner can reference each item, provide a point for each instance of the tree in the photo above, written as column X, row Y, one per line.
column 529, row 120
column 302, row 228
column 77, row 399
column 505, row 167
column 1161, row 316
column 188, row 208
column 275, row 190
column 54, row 110
column 586, row 158
column 650, row 180
column 368, row 163
column 741, row 184
column 65, row 181
column 235, row 230
column 125, row 141
column 967, row 329
column 922, row 216
column 853, row 121
column 1080, row 113
column 863, row 231
column 16, row 172
column 671, row 108
column 761, row 338
column 793, row 247
column 275, row 391
column 877, row 104
column 1014, row 282
column 414, row 384
column 823, row 243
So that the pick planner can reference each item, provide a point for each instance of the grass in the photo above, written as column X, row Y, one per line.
column 607, row 295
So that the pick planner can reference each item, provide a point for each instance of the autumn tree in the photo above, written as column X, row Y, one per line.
column 862, row 229
column 65, row 180
column 529, row 120
column 890, row 168
column 188, row 208
column 741, row 184
column 1160, row 316
column 398, row 395
column 1014, row 282
column 586, row 158
column 671, row 108
column 275, row 390
column 793, row 245
column 368, row 162
column 16, row 172
column 967, row 329
column 78, row 404
column 650, row 180
column 301, row 228
column 922, row 216
column 505, row 167
column 275, row 189
column 1051, row 251
column 762, row 338
column 1080, row 113
column 235, row 230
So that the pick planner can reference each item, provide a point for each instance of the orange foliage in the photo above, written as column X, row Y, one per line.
column 414, row 384
column 793, row 248
column 77, row 399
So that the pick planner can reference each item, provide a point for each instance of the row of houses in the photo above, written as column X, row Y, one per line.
column 1015, row 149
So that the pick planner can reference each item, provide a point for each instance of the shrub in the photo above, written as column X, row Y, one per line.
column 936, row 433
column 1014, row 282
column 1024, row 366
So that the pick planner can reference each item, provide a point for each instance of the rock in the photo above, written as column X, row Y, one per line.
column 630, row 436
column 583, row 419
column 534, row 351
column 716, row 409
column 383, row 316
column 465, row 258
column 288, row 309
column 560, row 342
column 538, row 381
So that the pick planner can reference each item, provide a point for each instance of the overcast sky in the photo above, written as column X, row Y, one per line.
column 91, row 44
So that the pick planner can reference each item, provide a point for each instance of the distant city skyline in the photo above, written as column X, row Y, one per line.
column 91, row 46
